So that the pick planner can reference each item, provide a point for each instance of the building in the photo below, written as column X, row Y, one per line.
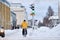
column 13, row 20
column 54, row 20
column 59, row 9
column 20, row 12
column 5, row 14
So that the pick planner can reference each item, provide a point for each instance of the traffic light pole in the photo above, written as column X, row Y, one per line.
column 33, row 22
column 32, row 14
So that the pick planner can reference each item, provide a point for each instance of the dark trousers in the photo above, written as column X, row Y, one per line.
column 24, row 32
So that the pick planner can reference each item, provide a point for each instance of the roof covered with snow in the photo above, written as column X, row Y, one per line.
column 54, row 17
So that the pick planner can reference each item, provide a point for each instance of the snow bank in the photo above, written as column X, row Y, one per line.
column 9, row 32
column 56, row 28
column 44, row 29
column 41, row 32
column 55, row 31
column 46, row 32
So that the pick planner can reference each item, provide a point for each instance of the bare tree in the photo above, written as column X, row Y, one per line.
column 50, row 11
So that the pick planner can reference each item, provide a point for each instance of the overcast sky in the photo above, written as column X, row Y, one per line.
column 41, row 7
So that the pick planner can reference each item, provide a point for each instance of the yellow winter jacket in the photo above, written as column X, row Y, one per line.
column 24, row 25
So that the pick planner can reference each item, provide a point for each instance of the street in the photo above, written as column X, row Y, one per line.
column 41, row 18
column 42, row 33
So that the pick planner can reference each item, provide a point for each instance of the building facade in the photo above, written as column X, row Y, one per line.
column 13, row 19
column 54, row 20
column 59, row 9
column 5, row 14
column 20, row 12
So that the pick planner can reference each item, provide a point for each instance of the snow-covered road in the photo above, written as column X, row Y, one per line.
column 43, row 33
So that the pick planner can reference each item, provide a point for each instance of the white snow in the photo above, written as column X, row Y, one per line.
column 9, row 32
column 54, row 17
column 55, row 31
column 42, row 33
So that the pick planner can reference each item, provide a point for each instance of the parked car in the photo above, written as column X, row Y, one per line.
column 2, row 32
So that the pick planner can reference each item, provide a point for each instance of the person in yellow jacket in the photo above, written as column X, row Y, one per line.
column 24, row 26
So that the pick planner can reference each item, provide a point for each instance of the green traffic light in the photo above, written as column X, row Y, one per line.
column 33, row 11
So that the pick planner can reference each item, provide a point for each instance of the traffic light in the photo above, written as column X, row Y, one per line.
column 33, row 12
column 32, row 7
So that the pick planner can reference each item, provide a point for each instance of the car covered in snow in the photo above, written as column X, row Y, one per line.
column 2, row 32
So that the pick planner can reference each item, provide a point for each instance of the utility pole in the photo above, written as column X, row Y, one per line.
column 32, row 14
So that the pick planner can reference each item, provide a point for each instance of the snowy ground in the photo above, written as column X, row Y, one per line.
column 43, row 33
